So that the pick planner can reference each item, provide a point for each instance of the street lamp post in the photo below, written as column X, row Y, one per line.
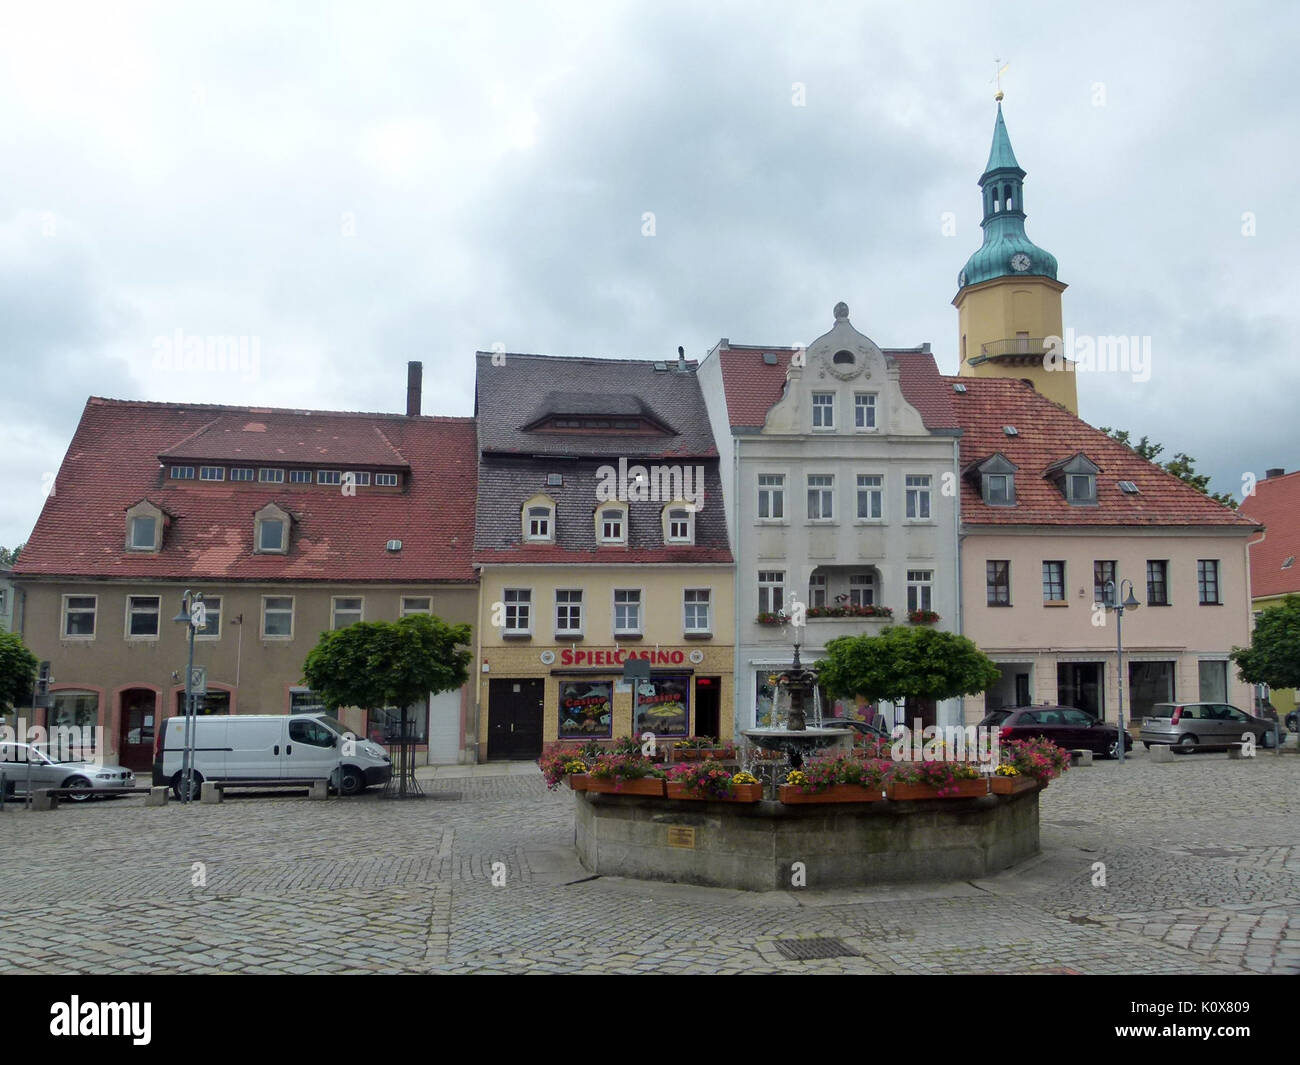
column 1114, row 602
column 192, row 616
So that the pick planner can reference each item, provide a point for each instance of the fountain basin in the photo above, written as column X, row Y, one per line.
column 798, row 745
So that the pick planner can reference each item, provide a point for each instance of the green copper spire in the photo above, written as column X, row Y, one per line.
column 1006, row 251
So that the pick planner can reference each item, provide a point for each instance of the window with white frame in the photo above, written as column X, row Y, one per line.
column 771, row 590
column 917, row 488
column 864, row 410
column 79, row 616
column 680, row 523
column 416, row 604
column 823, row 410
column 142, row 617
column 871, row 497
column 212, row 473
column 771, row 496
column 612, row 525
column 345, row 611
column 270, row 476
column 144, row 533
column 821, row 497
column 300, row 477
column 359, row 478
column 696, row 606
column 538, row 522
column 862, row 589
column 920, row 582
column 182, row 473
column 817, row 590
column 627, row 611
column 277, row 617
column 329, row 476
column 1207, row 581
column 385, row 480
column 568, row 612
column 519, row 611
column 211, row 619
column 1054, row 581
column 242, row 473
column 270, row 535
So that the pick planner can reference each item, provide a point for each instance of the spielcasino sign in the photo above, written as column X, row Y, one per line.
column 616, row 656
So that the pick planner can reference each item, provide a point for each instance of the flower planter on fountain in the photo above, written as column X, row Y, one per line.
column 792, row 794
column 739, row 793
column 614, row 786
column 959, row 789
column 1011, row 785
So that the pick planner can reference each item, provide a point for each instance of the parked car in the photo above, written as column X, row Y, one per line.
column 864, row 729
column 1293, row 721
column 23, row 761
column 1203, row 725
column 1065, row 726
column 269, row 746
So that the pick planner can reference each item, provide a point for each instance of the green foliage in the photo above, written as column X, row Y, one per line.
column 1182, row 465
column 388, row 663
column 9, row 556
column 906, row 662
column 1273, row 657
column 18, row 668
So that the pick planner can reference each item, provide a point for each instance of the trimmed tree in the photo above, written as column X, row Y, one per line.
column 915, row 664
column 373, row 664
column 1273, row 657
column 18, row 668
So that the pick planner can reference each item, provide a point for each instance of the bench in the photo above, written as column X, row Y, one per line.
column 48, row 798
column 213, row 791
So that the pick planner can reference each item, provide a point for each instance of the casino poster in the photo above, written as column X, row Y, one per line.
column 586, row 709
column 663, row 707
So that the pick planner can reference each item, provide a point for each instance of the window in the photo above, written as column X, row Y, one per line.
column 358, row 477
column 385, row 725
column 519, row 611
column 864, row 410
column 385, row 480
column 696, row 607
column 919, row 585
column 997, row 578
column 817, row 589
column 212, row 473
column 918, row 497
column 345, row 611
column 681, row 522
column 212, row 619
column 241, row 473
column 611, row 525
column 329, row 477
column 1101, row 573
column 862, row 589
column 537, row 522
column 267, row 476
column 4, row 600
column 627, row 611
column 1157, row 582
column 771, row 591
column 416, row 604
column 1053, row 582
column 300, row 477
column 871, row 496
column 568, row 613
column 821, row 496
column 771, row 496
column 277, row 617
column 182, row 473
column 1214, row 681
column 1082, row 488
column 823, row 410
column 144, row 534
column 312, row 733
column 142, row 617
column 999, row 490
column 305, row 701
column 270, row 536
column 79, row 616
column 1207, row 581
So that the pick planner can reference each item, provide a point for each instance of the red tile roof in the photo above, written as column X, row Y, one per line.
column 112, row 463
column 262, row 436
column 1276, row 506
column 753, row 387
column 1048, row 433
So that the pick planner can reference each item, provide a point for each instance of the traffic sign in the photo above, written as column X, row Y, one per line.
column 199, row 680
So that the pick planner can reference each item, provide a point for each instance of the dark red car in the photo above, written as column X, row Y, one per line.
column 1065, row 726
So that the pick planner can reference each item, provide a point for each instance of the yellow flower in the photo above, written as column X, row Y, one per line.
column 744, row 778
column 796, row 777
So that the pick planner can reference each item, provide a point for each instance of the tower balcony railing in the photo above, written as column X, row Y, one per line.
column 1015, row 346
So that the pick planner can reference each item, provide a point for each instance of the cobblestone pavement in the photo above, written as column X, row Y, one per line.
column 1199, row 873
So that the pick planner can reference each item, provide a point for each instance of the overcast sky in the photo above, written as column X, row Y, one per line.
column 354, row 185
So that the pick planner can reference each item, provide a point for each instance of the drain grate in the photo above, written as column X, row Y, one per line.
column 808, row 949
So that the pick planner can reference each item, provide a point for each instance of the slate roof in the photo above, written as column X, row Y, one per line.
column 524, row 388
column 1048, row 433
column 113, row 463
column 513, row 463
column 753, row 387
column 1276, row 506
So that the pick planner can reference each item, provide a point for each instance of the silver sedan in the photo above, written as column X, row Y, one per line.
column 21, row 762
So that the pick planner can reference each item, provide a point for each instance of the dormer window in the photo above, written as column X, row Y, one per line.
column 539, row 520
column 996, row 479
column 1076, row 477
column 679, row 524
column 182, row 473
column 611, row 524
column 1083, row 488
column 144, row 526
column 999, row 489
column 271, row 531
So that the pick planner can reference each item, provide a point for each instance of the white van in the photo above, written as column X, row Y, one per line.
column 270, row 747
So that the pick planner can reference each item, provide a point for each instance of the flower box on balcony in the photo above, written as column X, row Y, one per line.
column 922, row 617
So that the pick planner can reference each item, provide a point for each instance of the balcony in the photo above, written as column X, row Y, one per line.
column 1030, row 347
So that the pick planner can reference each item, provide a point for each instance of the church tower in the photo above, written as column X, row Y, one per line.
column 1008, row 298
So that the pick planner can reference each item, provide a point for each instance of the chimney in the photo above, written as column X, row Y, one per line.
column 414, row 372
column 1276, row 471
column 681, row 359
